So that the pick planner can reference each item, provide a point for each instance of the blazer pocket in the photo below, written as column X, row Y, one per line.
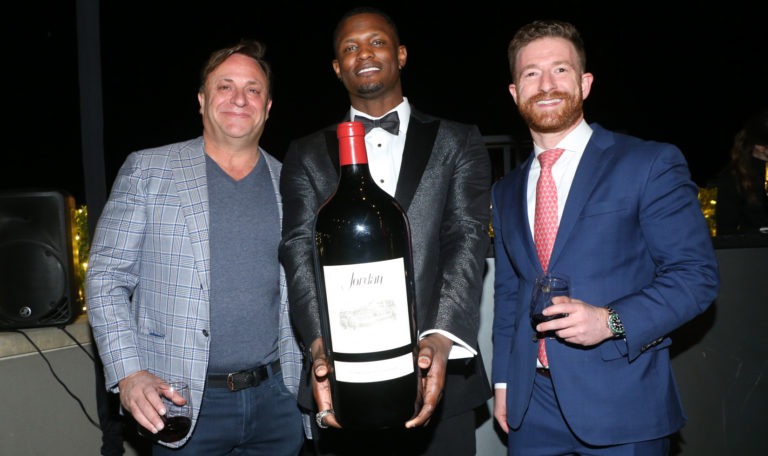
column 148, row 325
column 615, row 349
column 605, row 207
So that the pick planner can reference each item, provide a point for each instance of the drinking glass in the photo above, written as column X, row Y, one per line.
column 177, row 418
column 546, row 287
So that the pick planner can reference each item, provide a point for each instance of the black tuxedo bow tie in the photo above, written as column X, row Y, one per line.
column 390, row 123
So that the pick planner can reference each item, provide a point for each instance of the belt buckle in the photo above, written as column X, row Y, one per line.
column 231, row 382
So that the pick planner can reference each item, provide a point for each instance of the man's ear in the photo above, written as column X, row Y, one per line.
column 201, row 100
column 586, row 84
column 402, row 56
column 513, row 91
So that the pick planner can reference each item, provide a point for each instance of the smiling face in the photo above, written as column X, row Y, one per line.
column 235, row 103
column 368, row 60
column 549, row 86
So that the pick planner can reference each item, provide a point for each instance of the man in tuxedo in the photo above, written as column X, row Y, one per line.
column 439, row 172
column 620, row 217
column 184, row 280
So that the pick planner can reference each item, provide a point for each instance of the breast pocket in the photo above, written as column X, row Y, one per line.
column 150, row 322
column 605, row 208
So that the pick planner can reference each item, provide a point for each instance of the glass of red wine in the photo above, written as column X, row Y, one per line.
column 546, row 287
column 177, row 418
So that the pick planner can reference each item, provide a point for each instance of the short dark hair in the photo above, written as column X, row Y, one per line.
column 364, row 10
column 249, row 48
column 545, row 29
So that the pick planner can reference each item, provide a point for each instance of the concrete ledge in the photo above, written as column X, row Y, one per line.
column 49, row 338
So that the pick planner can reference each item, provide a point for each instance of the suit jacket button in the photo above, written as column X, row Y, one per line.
column 205, row 332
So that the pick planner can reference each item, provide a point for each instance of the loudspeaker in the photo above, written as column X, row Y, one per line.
column 38, row 277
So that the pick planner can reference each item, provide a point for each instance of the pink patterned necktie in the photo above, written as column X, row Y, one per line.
column 545, row 220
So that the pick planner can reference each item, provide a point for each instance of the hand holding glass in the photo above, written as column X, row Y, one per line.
column 546, row 287
column 178, row 418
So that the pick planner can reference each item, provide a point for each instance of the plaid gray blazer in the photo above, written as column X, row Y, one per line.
column 148, row 278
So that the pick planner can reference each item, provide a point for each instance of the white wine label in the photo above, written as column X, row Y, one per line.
column 374, row 371
column 367, row 306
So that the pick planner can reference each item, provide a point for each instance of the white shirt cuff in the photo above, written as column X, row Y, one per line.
column 460, row 348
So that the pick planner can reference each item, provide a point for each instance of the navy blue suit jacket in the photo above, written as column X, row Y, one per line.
column 632, row 237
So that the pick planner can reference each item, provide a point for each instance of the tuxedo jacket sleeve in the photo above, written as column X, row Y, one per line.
column 443, row 187
column 632, row 237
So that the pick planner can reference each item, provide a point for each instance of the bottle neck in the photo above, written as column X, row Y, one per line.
column 352, row 151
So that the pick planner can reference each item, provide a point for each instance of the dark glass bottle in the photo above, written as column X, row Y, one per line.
column 367, row 300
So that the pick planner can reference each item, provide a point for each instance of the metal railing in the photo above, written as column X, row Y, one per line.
column 506, row 153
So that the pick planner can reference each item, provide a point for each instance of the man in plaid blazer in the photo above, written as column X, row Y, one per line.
column 184, row 280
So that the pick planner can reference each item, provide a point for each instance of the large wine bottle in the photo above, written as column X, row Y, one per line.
column 364, row 273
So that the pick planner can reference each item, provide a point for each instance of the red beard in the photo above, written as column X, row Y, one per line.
column 555, row 120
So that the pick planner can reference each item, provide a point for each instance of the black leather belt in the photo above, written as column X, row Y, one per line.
column 237, row 381
column 544, row 372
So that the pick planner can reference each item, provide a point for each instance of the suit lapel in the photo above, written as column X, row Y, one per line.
column 332, row 145
column 273, row 166
column 522, row 215
column 188, row 165
column 289, row 351
column 587, row 175
column 518, row 210
column 419, row 143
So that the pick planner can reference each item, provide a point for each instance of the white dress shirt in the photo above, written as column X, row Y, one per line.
column 385, row 155
column 385, row 150
column 563, row 171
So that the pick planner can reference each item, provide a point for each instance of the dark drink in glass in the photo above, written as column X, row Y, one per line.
column 178, row 417
column 546, row 287
column 176, row 428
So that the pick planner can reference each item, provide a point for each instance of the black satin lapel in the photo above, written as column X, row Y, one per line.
column 332, row 144
column 416, row 153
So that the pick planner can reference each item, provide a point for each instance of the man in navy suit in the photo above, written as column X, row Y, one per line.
column 620, row 217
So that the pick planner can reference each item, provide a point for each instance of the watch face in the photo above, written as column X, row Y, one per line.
column 615, row 324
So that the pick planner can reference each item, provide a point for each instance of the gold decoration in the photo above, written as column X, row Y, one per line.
column 708, row 201
column 490, row 222
column 766, row 178
column 83, row 248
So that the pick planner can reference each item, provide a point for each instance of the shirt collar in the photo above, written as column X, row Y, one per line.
column 575, row 141
column 403, row 113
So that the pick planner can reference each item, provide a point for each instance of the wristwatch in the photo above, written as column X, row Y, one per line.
column 614, row 323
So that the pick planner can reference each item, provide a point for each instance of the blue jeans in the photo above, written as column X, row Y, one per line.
column 263, row 420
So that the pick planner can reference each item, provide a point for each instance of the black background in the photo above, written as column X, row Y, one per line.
column 689, row 77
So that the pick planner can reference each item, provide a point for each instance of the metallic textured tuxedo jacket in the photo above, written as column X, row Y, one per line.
column 444, row 188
